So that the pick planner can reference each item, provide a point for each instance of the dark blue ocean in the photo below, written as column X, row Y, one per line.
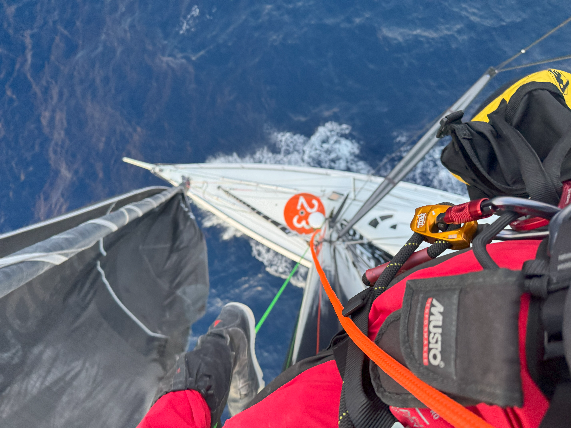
column 84, row 83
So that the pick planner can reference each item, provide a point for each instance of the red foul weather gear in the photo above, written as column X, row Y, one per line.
column 308, row 393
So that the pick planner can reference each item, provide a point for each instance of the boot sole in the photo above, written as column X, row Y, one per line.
column 252, row 324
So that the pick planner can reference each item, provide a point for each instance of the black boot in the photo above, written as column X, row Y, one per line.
column 223, row 366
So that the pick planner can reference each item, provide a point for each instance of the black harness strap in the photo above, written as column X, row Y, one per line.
column 359, row 405
column 484, row 238
column 554, row 160
column 547, row 278
column 566, row 333
column 559, row 413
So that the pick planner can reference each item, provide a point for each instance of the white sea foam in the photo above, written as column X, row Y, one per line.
column 278, row 265
column 402, row 35
column 431, row 173
column 275, row 263
column 329, row 147
column 228, row 232
column 187, row 24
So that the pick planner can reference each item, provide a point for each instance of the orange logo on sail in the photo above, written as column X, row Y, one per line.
column 298, row 209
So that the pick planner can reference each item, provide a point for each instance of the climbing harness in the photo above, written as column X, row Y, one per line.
column 537, row 278
column 514, row 158
column 447, row 408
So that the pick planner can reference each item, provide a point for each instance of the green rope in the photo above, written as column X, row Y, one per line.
column 279, row 293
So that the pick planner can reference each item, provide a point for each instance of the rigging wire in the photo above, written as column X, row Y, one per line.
column 559, row 58
column 279, row 293
column 410, row 143
column 524, row 50
column 372, row 174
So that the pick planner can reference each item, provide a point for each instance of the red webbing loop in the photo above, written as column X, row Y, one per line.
column 537, row 222
column 528, row 224
column 414, row 260
column 463, row 213
column 565, row 194
column 450, row 410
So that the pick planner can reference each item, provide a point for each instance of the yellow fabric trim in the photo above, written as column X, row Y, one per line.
column 550, row 76
column 457, row 177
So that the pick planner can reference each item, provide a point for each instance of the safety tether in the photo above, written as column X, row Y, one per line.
column 450, row 410
column 279, row 293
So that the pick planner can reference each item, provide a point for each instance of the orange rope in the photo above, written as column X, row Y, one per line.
column 444, row 406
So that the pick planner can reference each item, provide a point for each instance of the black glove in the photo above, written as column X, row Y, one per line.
column 207, row 369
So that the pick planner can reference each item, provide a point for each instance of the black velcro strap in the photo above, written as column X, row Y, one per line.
column 560, row 247
column 359, row 405
column 452, row 119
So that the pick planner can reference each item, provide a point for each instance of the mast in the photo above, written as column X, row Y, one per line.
column 417, row 153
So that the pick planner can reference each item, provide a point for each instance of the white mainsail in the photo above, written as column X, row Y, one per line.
column 238, row 193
